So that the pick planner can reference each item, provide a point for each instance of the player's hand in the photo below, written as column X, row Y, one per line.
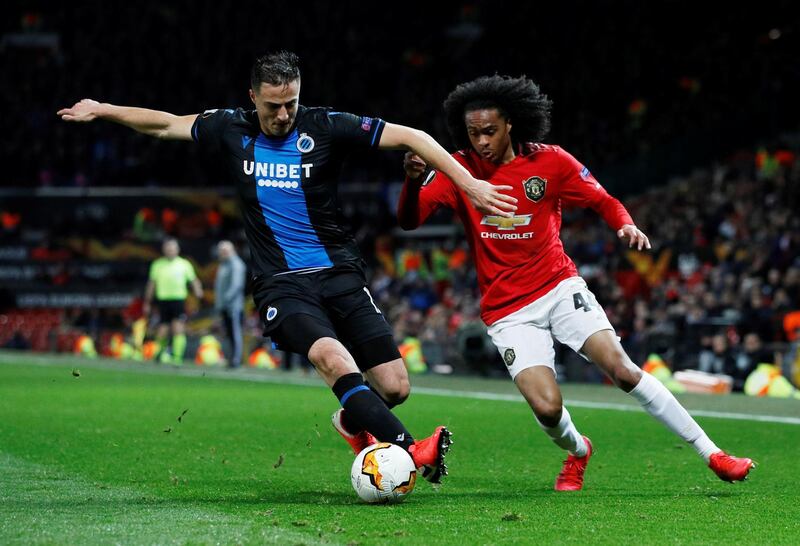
column 488, row 199
column 634, row 236
column 83, row 111
column 414, row 165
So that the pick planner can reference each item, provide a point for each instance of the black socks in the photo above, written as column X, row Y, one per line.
column 365, row 410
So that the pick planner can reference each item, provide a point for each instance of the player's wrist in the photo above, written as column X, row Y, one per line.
column 105, row 111
column 465, row 182
column 102, row 110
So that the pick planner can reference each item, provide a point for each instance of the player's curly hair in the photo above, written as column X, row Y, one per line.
column 518, row 100
column 278, row 68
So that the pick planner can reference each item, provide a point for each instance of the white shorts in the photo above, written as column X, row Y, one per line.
column 569, row 313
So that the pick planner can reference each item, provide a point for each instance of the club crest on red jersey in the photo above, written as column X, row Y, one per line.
column 535, row 187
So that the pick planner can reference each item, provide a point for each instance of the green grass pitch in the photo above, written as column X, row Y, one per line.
column 103, row 452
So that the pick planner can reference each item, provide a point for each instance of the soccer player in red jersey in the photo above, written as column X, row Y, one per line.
column 531, row 290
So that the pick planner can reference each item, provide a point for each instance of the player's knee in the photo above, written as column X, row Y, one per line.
column 548, row 410
column 625, row 374
column 330, row 358
column 398, row 392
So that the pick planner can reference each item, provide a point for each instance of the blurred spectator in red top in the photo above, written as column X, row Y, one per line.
column 169, row 220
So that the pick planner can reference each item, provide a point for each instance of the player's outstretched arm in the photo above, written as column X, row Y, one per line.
column 150, row 122
column 485, row 197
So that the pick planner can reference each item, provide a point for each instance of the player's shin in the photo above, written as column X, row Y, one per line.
column 162, row 342
column 366, row 411
column 350, row 424
column 661, row 404
column 178, row 348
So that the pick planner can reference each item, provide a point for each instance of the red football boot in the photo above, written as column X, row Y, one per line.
column 428, row 454
column 571, row 476
column 729, row 468
column 358, row 441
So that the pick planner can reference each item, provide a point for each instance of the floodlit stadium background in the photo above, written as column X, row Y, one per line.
column 693, row 120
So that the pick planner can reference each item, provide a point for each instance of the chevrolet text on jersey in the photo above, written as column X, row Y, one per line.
column 490, row 235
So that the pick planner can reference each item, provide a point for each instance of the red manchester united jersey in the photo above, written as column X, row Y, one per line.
column 518, row 259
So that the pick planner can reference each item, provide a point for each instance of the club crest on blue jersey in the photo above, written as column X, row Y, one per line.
column 366, row 123
column 305, row 143
column 535, row 187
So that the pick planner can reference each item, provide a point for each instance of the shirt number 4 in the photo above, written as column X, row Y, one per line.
column 580, row 303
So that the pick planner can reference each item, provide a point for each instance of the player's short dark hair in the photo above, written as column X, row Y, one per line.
column 278, row 68
column 518, row 100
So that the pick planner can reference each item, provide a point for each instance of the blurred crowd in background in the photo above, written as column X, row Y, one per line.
column 720, row 290
column 638, row 89
column 84, row 208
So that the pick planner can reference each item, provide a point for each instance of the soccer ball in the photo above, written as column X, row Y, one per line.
column 384, row 473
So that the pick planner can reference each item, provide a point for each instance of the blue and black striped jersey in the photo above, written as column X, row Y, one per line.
column 288, row 186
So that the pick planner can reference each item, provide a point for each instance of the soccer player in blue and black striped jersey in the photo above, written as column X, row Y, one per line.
column 309, row 283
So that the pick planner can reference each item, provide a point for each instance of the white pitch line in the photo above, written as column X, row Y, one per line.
column 450, row 393
column 607, row 406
